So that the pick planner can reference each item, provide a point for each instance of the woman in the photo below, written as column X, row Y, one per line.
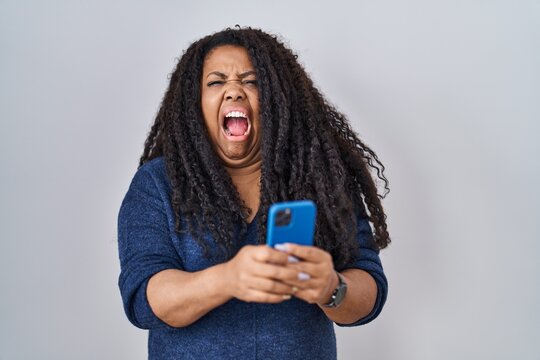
column 241, row 126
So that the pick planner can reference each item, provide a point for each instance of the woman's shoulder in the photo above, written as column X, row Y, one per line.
column 156, row 170
column 154, row 165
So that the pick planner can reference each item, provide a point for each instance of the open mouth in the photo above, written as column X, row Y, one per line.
column 236, row 123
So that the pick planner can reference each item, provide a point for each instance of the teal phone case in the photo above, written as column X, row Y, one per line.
column 291, row 221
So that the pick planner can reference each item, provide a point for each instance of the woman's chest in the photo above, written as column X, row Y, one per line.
column 197, row 255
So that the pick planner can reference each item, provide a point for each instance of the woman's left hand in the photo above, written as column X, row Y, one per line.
column 317, row 278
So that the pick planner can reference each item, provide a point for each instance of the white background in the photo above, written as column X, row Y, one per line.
column 446, row 92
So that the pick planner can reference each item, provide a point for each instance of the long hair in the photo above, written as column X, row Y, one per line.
column 309, row 151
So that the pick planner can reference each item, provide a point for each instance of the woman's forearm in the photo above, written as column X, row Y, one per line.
column 256, row 273
column 359, row 300
column 180, row 298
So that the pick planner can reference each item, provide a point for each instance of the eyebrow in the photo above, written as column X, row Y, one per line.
column 241, row 76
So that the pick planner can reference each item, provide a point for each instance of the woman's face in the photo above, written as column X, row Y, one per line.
column 230, row 105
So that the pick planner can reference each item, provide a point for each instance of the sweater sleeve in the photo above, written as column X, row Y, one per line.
column 368, row 260
column 144, row 247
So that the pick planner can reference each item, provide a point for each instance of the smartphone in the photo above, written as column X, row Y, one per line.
column 292, row 222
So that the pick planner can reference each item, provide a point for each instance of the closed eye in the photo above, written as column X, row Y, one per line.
column 250, row 82
column 216, row 82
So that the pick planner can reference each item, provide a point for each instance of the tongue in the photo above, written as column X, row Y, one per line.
column 237, row 126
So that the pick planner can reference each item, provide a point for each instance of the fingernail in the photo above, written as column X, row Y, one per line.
column 292, row 259
column 294, row 289
column 303, row 276
column 280, row 247
column 286, row 297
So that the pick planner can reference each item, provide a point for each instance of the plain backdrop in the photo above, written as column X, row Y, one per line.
column 446, row 92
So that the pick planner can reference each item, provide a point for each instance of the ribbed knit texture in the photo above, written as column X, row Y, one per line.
column 148, row 244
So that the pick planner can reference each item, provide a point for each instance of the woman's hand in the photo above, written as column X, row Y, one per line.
column 258, row 273
column 318, row 278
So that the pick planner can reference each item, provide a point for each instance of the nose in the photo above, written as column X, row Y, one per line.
column 234, row 92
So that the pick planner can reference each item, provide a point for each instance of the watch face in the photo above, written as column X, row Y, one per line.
column 340, row 295
column 341, row 291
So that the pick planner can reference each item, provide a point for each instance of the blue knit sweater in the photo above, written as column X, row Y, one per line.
column 148, row 244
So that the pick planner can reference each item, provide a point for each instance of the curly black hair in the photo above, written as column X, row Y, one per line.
column 309, row 151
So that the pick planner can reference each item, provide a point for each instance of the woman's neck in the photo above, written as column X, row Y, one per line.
column 246, row 179
column 245, row 174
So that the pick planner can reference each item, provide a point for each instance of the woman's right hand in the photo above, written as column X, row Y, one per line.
column 256, row 274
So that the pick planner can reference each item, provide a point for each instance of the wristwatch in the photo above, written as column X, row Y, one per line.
column 338, row 295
